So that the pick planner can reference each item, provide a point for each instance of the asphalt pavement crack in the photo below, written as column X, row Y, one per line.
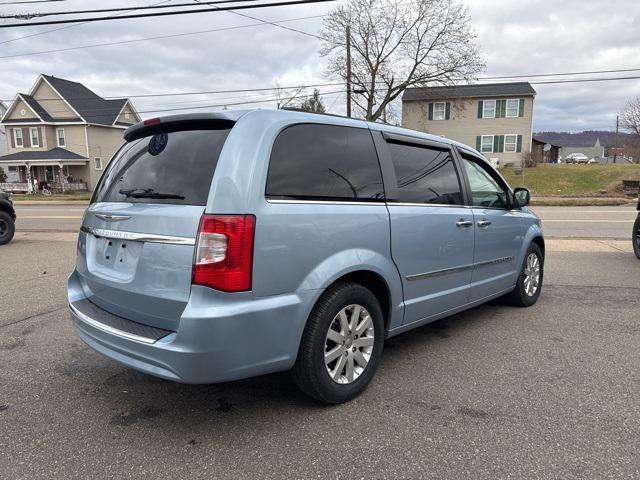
column 32, row 316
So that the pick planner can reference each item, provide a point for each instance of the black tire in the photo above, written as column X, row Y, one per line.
column 519, row 297
column 310, row 372
column 7, row 228
column 636, row 237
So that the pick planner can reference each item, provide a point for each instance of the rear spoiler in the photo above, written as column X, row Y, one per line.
column 189, row 121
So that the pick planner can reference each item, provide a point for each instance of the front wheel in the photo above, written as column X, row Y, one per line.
column 341, row 345
column 529, row 283
column 7, row 228
column 636, row 237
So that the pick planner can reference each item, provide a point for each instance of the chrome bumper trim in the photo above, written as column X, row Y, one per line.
column 106, row 328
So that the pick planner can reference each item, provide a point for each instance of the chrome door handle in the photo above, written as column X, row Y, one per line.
column 462, row 223
column 483, row 223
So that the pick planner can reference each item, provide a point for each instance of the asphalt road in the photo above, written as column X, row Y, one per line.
column 597, row 222
column 497, row 392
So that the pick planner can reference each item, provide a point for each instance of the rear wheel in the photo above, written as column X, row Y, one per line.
column 7, row 228
column 529, row 283
column 342, row 344
column 636, row 237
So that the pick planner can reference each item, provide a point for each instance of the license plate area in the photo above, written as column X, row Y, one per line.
column 113, row 258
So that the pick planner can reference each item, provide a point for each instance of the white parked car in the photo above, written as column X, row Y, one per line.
column 576, row 158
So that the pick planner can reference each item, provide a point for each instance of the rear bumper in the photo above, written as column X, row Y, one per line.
column 218, row 338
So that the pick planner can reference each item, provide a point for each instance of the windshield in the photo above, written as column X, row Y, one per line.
column 174, row 167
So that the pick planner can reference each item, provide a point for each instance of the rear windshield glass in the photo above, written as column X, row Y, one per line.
column 175, row 167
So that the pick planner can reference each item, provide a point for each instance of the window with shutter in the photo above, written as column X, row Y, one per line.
column 513, row 107
column 510, row 143
column 488, row 109
column 439, row 110
column 487, row 144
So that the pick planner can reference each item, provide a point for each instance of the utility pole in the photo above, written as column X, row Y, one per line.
column 615, row 154
column 348, row 71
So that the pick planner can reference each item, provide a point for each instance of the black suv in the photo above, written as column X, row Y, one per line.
column 635, row 235
column 7, row 218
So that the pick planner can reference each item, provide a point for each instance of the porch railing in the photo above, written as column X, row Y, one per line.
column 55, row 187
column 14, row 187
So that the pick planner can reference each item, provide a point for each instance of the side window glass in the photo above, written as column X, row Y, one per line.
column 425, row 175
column 314, row 161
column 485, row 191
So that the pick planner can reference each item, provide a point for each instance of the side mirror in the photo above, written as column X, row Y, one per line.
column 522, row 197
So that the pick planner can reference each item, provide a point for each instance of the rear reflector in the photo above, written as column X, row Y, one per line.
column 224, row 252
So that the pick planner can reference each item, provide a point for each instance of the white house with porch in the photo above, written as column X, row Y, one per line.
column 61, row 135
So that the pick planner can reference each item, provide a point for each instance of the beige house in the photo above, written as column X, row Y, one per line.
column 496, row 119
column 62, row 135
column 3, row 133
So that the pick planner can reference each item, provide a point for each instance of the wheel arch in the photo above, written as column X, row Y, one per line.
column 7, row 208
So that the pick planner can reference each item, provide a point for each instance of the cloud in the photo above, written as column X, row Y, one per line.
column 515, row 38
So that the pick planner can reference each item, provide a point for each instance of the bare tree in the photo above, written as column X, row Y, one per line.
column 313, row 103
column 396, row 45
column 630, row 116
column 286, row 96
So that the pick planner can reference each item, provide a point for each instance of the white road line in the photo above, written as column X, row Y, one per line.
column 586, row 221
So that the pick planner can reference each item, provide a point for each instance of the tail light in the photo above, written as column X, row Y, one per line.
column 224, row 252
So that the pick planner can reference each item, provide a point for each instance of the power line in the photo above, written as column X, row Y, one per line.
column 64, row 28
column 579, row 80
column 293, row 87
column 272, row 23
column 563, row 74
column 123, row 9
column 210, row 92
column 158, row 37
column 164, row 14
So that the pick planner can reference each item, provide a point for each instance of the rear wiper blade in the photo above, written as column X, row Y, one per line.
column 149, row 193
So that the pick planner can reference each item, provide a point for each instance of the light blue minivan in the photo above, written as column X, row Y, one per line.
column 219, row 246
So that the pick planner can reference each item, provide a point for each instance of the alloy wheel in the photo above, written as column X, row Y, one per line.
column 532, row 275
column 4, row 228
column 349, row 344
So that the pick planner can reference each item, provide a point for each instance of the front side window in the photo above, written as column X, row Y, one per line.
column 17, row 133
column 60, row 136
column 324, row 162
column 487, row 144
column 513, row 107
column 489, row 109
column 35, row 138
column 439, row 109
column 510, row 143
column 425, row 175
column 485, row 190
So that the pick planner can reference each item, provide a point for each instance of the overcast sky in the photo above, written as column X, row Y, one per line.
column 515, row 37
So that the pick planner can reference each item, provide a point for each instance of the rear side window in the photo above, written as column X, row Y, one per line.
column 174, row 167
column 325, row 162
column 425, row 175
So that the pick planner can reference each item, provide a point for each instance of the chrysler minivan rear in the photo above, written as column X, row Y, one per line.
column 159, row 285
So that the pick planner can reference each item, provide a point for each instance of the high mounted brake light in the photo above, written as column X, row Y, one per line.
column 224, row 252
column 151, row 121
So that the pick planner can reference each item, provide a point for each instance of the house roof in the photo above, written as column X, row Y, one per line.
column 543, row 141
column 36, row 107
column 515, row 89
column 53, row 154
column 92, row 107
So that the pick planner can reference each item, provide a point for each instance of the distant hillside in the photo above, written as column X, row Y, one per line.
column 585, row 139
